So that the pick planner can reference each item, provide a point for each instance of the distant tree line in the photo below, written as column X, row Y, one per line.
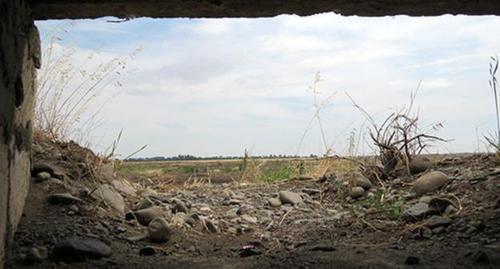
column 188, row 157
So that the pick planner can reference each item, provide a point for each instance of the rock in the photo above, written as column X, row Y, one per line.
column 416, row 212
column 439, row 205
column 249, row 250
column 42, row 176
column 430, row 181
column 76, row 248
column 274, row 202
column 124, row 187
column 305, row 177
column 145, row 203
column 322, row 247
column 419, row 164
column 111, row 197
column 450, row 210
column 425, row 199
column 145, row 216
column 74, row 208
column 362, row 181
column 357, row 192
column 41, row 167
column 149, row 192
column 147, row 251
column 245, row 210
column 480, row 257
column 210, row 225
column 106, row 170
column 234, row 202
column 437, row 221
column 35, row 255
column 288, row 197
column 311, row 191
column 412, row 260
column 249, row 219
column 63, row 198
column 179, row 206
column 158, row 230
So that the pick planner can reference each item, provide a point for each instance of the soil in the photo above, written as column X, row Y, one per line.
column 330, row 230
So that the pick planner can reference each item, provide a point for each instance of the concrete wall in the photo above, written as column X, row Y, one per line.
column 19, row 56
column 59, row 9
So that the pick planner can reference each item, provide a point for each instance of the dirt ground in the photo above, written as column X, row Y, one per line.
column 328, row 230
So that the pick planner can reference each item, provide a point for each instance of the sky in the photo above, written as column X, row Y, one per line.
column 211, row 87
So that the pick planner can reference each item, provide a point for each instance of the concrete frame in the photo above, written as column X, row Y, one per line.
column 20, row 56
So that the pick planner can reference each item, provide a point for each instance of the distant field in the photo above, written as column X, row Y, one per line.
column 218, row 171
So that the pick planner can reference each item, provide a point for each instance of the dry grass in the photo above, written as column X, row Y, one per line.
column 68, row 88
column 399, row 137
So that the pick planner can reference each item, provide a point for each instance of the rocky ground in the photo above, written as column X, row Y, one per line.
column 445, row 215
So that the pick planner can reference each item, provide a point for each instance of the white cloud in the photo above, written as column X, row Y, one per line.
column 211, row 87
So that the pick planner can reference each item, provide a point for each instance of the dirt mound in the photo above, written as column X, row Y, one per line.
column 101, row 221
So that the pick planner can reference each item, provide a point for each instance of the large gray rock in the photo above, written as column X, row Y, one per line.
column 111, row 197
column 430, row 182
column 42, row 176
column 159, row 231
column 288, row 197
column 145, row 216
column 357, row 192
column 437, row 221
column 274, row 202
column 362, row 181
column 63, row 198
column 76, row 248
column 416, row 212
column 179, row 206
column 419, row 164
column 124, row 187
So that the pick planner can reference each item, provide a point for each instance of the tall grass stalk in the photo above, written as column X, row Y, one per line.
column 493, row 85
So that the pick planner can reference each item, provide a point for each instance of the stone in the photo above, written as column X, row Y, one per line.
column 311, row 191
column 274, row 202
column 419, row 164
column 357, row 192
column 234, row 202
column 412, row 260
column 36, row 255
column 39, row 167
column 159, row 231
column 450, row 210
column 430, row 181
column 210, row 225
column 106, row 170
column 63, row 198
column 145, row 203
column 145, row 216
column 322, row 247
column 147, row 251
column 124, row 187
column 439, row 205
column 111, row 197
column 480, row 257
column 245, row 209
column 42, row 176
column 288, row 197
column 149, row 192
column 416, row 212
column 179, row 206
column 437, row 221
column 362, row 181
column 75, row 248
column 249, row 219
column 425, row 199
